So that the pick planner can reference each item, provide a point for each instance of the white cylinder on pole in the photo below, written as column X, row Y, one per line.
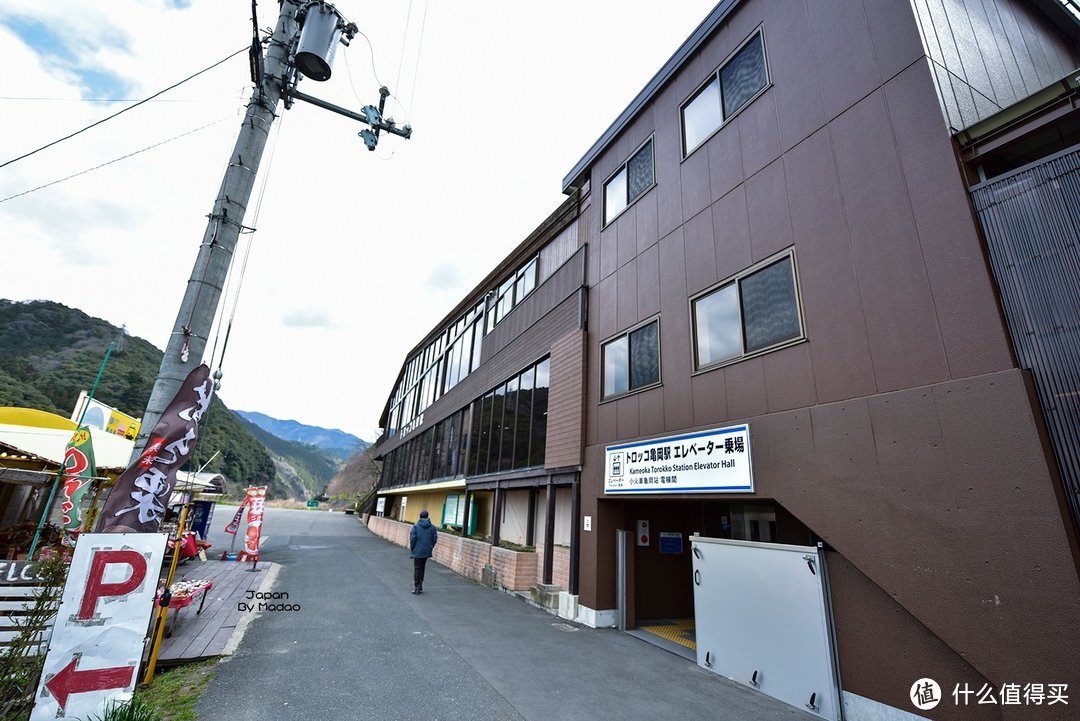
column 318, row 42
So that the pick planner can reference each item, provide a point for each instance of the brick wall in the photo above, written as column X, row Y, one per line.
column 514, row 571
column 393, row 531
column 560, row 566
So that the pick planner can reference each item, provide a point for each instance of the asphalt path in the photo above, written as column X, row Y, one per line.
column 351, row 642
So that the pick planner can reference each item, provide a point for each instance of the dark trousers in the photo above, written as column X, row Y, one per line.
column 419, row 564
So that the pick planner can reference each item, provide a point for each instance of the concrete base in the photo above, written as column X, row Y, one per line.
column 568, row 606
column 860, row 708
column 596, row 619
column 489, row 577
column 546, row 595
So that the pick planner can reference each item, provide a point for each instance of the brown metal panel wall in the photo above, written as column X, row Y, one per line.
column 867, row 431
column 525, row 315
column 954, row 524
column 1031, row 219
column 989, row 54
column 566, row 401
column 894, row 283
column 557, row 252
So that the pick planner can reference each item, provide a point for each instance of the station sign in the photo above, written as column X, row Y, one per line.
column 713, row 461
column 97, row 639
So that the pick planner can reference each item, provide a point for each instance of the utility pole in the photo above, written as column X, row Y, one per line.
column 290, row 53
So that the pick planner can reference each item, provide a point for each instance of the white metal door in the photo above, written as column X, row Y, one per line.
column 764, row 620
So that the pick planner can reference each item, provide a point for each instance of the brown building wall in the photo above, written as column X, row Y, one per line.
column 943, row 500
column 901, row 431
column 565, row 401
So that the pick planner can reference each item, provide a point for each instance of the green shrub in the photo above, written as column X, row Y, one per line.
column 133, row 710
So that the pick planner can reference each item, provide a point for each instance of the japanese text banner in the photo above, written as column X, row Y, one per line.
column 136, row 504
column 714, row 461
column 79, row 472
column 256, row 500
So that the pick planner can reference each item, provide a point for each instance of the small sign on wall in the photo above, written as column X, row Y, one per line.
column 671, row 542
column 643, row 533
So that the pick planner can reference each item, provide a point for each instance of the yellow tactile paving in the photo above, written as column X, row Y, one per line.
column 679, row 630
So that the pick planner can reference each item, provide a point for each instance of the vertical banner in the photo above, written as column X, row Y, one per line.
column 137, row 502
column 97, row 639
column 256, row 499
column 234, row 524
column 78, row 473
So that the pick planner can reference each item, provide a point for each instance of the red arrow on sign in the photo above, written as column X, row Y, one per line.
column 68, row 681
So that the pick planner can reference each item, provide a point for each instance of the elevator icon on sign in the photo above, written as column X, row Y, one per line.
column 616, row 465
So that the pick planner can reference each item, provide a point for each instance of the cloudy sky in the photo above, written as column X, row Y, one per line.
column 357, row 254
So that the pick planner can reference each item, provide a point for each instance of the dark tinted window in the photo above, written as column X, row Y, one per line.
column 769, row 309
column 538, row 432
column 645, row 356
column 640, row 171
column 743, row 76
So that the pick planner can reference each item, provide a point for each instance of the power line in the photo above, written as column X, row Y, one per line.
column 114, row 160
column 89, row 100
column 110, row 117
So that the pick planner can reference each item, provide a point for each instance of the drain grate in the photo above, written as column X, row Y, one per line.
column 565, row 627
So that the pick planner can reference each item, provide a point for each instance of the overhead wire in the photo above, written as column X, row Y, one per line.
column 374, row 73
column 419, row 49
column 130, row 107
column 114, row 160
column 89, row 100
column 404, row 39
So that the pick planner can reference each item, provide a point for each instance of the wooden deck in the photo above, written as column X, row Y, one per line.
column 217, row 630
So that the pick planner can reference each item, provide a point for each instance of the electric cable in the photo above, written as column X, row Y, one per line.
column 88, row 100
column 130, row 107
column 416, row 66
column 114, row 160
column 404, row 42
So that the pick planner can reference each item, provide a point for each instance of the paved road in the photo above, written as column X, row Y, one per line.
column 362, row 647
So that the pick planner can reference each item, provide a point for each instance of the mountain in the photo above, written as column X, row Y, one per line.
column 313, row 467
column 341, row 444
column 49, row 352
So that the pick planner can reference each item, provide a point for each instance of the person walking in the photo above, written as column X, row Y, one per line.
column 422, row 540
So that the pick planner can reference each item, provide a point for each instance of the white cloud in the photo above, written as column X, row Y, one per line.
column 308, row 318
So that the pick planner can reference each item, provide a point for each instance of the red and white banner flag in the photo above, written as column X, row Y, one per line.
column 256, row 499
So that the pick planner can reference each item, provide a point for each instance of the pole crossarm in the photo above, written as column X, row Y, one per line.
column 376, row 121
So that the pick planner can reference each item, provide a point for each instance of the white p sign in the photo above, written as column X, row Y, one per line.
column 97, row 641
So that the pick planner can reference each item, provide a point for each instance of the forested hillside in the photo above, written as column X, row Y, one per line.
column 49, row 352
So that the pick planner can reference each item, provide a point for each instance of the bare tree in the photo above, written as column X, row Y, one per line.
column 360, row 474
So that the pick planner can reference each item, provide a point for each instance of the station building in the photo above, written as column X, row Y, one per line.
column 842, row 236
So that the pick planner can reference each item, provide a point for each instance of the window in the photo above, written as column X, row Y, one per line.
column 632, row 360
column 732, row 86
column 629, row 182
column 509, row 428
column 756, row 311
column 511, row 292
